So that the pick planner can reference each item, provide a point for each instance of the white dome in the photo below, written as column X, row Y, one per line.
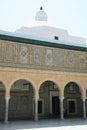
column 41, row 15
column 43, row 29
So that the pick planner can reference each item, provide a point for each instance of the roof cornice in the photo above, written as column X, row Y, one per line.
column 42, row 43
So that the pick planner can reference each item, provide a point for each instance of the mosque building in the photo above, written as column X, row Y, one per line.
column 43, row 72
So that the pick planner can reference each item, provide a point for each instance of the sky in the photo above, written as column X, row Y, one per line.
column 65, row 14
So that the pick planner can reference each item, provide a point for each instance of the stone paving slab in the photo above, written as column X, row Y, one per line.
column 54, row 124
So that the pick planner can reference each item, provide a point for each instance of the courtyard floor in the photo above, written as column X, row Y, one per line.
column 51, row 124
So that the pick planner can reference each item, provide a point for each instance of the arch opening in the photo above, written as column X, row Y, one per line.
column 49, row 102
column 21, row 100
column 72, row 101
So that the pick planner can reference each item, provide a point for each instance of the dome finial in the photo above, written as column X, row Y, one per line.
column 41, row 15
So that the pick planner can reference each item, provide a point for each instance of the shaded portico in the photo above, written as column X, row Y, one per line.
column 21, row 100
column 49, row 101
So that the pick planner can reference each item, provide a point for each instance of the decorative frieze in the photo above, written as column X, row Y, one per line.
column 41, row 57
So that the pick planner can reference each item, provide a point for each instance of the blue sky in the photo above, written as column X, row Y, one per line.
column 65, row 14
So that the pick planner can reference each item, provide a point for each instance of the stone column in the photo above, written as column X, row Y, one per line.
column 6, row 109
column 84, row 108
column 61, row 108
column 36, row 108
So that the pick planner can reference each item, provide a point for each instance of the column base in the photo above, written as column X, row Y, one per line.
column 36, row 120
column 6, row 122
column 62, row 118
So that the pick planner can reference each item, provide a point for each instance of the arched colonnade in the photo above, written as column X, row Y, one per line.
column 49, row 99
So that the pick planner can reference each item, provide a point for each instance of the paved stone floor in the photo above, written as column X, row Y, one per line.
column 54, row 124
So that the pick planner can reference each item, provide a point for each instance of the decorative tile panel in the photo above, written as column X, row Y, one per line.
column 31, row 55
column 0, row 51
column 24, row 54
column 71, row 58
column 49, row 56
column 37, row 55
column 17, row 54
column 60, row 58
column 82, row 61
column 9, row 52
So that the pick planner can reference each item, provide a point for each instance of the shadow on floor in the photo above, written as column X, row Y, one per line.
column 46, row 123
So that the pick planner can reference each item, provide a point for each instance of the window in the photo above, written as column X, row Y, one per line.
column 72, row 106
column 56, row 37
column 40, row 107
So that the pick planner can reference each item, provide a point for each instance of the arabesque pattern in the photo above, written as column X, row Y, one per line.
column 15, row 54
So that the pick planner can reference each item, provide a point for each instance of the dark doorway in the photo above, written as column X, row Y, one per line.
column 71, row 106
column 39, row 107
column 56, row 106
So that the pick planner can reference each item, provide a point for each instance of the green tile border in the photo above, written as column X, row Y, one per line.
column 41, row 43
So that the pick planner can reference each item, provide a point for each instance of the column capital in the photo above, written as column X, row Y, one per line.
column 7, row 98
column 84, row 98
column 36, row 94
column 61, row 94
column 61, row 98
column 36, row 98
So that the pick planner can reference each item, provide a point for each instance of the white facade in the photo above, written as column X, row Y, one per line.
column 42, row 28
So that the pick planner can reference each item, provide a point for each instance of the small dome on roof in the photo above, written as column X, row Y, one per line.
column 41, row 15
